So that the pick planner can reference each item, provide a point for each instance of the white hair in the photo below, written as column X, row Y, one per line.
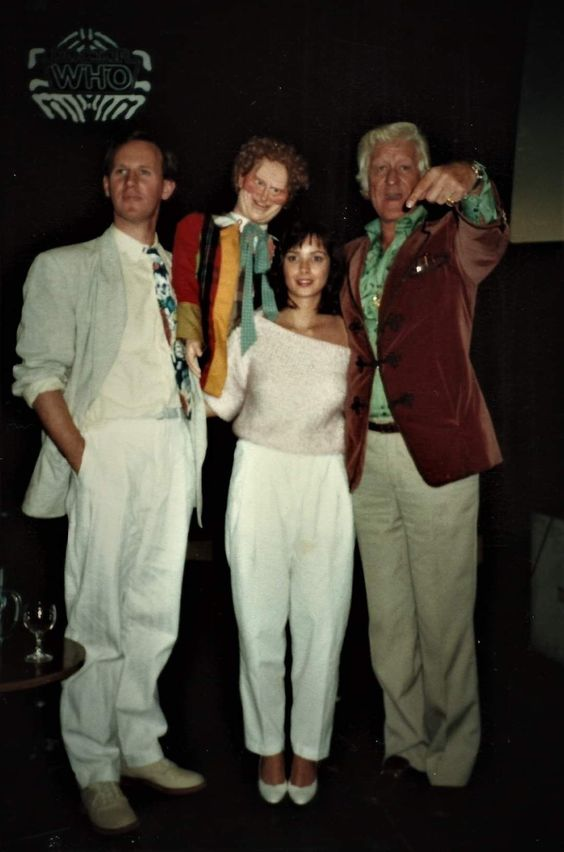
column 403, row 130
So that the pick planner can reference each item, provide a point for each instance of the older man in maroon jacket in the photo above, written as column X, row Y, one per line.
column 419, row 433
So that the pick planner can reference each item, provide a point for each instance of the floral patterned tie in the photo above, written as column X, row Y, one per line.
column 167, row 305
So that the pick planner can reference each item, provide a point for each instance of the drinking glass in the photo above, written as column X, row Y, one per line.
column 39, row 618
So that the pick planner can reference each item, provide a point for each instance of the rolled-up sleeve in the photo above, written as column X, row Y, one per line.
column 47, row 330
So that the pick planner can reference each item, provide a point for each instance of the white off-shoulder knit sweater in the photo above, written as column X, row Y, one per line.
column 286, row 392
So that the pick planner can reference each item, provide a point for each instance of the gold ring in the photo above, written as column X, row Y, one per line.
column 450, row 201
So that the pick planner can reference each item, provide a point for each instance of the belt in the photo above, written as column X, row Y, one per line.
column 383, row 427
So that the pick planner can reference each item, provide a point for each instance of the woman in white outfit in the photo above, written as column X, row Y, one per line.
column 289, row 527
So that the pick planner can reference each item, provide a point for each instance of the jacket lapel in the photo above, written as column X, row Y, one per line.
column 356, row 259
column 413, row 247
column 110, row 305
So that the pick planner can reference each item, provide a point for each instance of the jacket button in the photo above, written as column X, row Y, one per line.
column 357, row 405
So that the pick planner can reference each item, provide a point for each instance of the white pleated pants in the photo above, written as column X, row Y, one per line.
column 129, row 510
column 418, row 547
column 290, row 543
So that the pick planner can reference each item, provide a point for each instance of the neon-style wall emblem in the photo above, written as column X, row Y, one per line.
column 88, row 77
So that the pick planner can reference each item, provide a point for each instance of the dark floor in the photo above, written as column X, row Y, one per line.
column 514, row 801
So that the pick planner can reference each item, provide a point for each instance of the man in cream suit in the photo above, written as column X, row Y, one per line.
column 124, row 440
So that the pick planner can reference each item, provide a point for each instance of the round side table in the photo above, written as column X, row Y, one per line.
column 16, row 674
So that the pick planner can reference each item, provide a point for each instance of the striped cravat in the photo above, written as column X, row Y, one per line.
column 255, row 258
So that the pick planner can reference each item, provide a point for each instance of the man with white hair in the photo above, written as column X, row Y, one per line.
column 418, row 435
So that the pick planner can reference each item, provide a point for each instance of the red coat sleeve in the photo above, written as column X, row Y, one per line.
column 185, row 258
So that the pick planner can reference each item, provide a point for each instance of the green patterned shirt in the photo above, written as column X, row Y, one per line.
column 480, row 209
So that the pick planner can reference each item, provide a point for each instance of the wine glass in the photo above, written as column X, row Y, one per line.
column 39, row 618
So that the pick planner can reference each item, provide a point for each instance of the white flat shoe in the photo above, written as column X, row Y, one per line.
column 302, row 795
column 165, row 776
column 272, row 793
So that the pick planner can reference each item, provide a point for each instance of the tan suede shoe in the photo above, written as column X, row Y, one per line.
column 166, row 776
column 107, row 808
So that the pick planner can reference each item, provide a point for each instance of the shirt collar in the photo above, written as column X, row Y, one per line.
column 129, row 246
column 404, row 226
column 223, row 220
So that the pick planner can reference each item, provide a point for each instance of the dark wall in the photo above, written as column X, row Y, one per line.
column 317, row 74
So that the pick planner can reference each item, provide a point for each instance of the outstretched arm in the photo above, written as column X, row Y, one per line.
column 446, row 184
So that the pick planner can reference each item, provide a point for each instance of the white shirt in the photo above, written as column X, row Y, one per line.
column 223, row 220
column 141, row 381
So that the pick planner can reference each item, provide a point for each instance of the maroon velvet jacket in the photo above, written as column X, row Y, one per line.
column 424, row 335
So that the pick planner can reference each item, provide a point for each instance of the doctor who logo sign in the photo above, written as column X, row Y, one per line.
column 88, row 77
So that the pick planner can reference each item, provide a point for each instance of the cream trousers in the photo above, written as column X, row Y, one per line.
column 129, row 510
column 418, row 546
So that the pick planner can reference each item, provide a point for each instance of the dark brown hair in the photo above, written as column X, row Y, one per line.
column 296, row 235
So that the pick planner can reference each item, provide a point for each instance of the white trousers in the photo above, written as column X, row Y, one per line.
column 418, row 546
column 129, row 510
column 290, row 544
